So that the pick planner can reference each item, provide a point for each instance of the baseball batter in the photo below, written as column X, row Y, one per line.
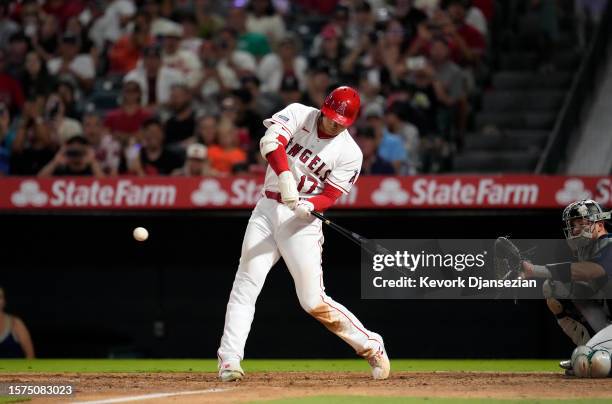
column 578, row 293
column 313, row 160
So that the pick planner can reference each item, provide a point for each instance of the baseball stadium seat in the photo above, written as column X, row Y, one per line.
column 511, row 140
column 508, row 80
column 493, row 162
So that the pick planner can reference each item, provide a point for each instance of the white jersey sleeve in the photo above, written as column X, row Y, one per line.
column 289, row 119
column 346, row 172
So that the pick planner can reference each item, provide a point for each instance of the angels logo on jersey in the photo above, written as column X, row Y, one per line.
column 314, row 163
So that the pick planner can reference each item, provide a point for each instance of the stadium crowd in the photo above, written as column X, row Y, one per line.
column 180, row 87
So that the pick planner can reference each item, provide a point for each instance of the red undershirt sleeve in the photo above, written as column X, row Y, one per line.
column 326, row 199
column 278, row 157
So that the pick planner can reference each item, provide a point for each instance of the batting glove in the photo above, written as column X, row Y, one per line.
column 303, row 209
column 288, row 189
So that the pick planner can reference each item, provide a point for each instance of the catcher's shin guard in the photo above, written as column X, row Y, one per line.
column 570, row 320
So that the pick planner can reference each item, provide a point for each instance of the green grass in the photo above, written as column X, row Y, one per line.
column 11, row 400
column 417, row 400
column 265, row 365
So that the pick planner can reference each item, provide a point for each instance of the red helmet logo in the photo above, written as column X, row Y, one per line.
column 342, row 105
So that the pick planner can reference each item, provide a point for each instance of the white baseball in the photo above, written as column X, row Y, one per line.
column 140, row 234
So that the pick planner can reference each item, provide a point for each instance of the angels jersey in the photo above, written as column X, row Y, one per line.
column 313, row 160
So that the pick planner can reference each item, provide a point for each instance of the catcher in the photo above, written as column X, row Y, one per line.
column 578, row 292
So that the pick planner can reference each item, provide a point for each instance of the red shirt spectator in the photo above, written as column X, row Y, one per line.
column 129, row 117
column 125, row 53
column 125, row 121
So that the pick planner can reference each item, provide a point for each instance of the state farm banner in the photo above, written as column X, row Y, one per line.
column 415, row 192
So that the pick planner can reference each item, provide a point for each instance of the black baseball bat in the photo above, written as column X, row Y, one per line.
column 368, row 245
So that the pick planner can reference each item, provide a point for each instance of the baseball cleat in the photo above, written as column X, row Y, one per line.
column 566, row 364
column 229, row 372
column 380, row 365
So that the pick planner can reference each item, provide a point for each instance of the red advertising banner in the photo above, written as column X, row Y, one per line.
column 415, row 192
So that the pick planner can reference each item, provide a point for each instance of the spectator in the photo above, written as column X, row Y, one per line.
column 394, row 47
column 32, row 147
column 15, row 340
column 127, row 51
column 211, row 84
column 331, row 53
column 209, row 22
column 152, row 158
column 7, row 26
column 390, row 145
column 66, row 92
column 45, row 40
column 262, row 18
column 125, row 121
column 369, row 91
column 361, row 22
column 191, row 40
column 180, row 59
column 226, row 155
column 233, row 64
column 63, row 10
column 72, row 63
column 372, row 163
column 409, row 134
column 317, row 87
column 61, row 126
column 196, row 163
column 409, row 16
column 254, row 43
column 76, row 157
column 338, row 25
column 181, row 124
column 113, row 24
column 290, row 90
column 274, row 67
column 447, row 73
column 264, row 103
column 11, row 94
column 425, row 94
column 151, row 8
column 154, row 79
column 471, row 42
column 107, row 149
column 17, row 51
column 206, row 132
column 449, row 82
column 7, row 134
column 35, row 78
column 75, row 27
column 247, row 120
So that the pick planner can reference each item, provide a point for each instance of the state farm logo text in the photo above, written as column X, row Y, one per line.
column 432, row 192
column 68, row 193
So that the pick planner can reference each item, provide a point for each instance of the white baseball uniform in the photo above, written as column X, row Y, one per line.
column 274, row 231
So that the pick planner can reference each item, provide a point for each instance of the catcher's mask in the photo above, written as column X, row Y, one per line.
column 579, row 220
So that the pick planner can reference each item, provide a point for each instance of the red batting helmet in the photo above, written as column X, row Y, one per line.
column 342, row 105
